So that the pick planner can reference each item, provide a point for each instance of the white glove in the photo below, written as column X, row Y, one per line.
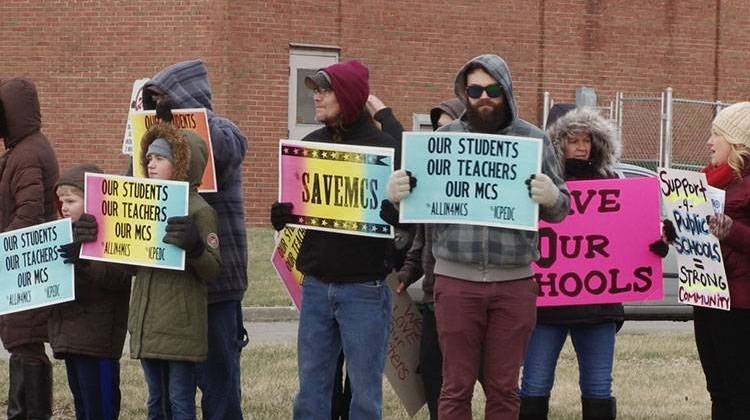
column 543, row 190
column 398, row 186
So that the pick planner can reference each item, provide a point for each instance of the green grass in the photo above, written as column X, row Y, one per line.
column 264, row 287
column 670, row 386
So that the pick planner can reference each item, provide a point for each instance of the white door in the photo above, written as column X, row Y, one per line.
column 303, row 63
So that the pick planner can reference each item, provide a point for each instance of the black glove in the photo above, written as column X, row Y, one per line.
column 164, row 109
column 85, row 229
column 69, row 252
column 668, row 230
column 281, row 214
column 412, row 181
column 182, row 232
column 579, row 169
column 389, row 213
column 659, row 248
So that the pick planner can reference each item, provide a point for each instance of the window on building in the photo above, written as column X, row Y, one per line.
column 305, row 60
column 421, row 122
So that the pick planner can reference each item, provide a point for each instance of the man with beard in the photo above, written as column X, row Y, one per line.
column 485, row 295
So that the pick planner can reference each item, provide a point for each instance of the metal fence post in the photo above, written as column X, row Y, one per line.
column 665, row 132
column 620, row 104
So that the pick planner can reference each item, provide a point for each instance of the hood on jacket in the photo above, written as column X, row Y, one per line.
column 495, row 67
column 605, row 143
column 22, row 112
column 186, row 83
column 453, row 107
column 188, row 151
column 76, row 176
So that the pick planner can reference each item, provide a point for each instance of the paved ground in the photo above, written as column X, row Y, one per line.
column 285, row 332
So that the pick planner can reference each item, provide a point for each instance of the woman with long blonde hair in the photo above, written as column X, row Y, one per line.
column 723, row 337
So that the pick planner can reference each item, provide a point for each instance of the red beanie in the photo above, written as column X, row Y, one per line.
column 349, row 82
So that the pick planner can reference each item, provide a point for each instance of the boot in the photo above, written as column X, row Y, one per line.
column 534, row 408
column 599, row 409
column 16, row 394
column 38, row 376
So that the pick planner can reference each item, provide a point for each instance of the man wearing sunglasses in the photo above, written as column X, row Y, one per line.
column 485, row 295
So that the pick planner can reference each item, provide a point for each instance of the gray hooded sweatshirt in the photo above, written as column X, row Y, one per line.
column 490, row 254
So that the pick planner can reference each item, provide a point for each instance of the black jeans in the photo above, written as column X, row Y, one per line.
column 723, row 341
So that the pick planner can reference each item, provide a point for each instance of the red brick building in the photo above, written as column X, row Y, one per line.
column 85, row 55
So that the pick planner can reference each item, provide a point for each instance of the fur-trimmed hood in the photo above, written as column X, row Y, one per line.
column 605, row 143
column 188, row 150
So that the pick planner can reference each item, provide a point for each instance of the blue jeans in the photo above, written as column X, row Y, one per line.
column 219, row 375
column 595, row 349
column 95, row 385
column 354, row 317
column 171, row 389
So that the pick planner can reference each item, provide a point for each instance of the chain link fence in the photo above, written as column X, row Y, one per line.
column 660, row 131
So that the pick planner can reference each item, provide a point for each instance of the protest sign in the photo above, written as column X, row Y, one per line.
column 33, row 274
column 131, row 216
column 470, row 178
column 284, row 259
column 191, row 119
column 717, row 197
column 402, row 358
column 335, row 187
column 600, row 252
column 686, row 200
column 136, row 104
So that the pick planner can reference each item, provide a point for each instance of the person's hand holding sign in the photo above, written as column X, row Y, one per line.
column 182, row 233
column 400, row 184
column 720, row 225
column 84, row 230
column 542, row 190
column 281, row 214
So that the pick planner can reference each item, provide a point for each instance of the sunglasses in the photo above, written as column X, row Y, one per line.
column 493, row 91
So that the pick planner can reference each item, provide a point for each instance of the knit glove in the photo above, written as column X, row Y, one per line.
column 281, row 214
column 182, row 233
column 668, row 232
column 69, row 252
column 720, row 225
column 542, row 190
column 400, row 184
column 660, row 246
column 85, row 229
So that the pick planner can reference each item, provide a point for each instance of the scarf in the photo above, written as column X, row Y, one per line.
column 719, row 176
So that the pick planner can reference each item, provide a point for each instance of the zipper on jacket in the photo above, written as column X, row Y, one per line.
column 485, row 250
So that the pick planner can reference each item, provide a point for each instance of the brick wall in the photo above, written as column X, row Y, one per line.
column 84, row 56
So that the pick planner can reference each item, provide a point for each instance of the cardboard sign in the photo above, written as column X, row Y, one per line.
column 600, row 252
column 195, row 120
column 131, row 216
column 471, row 178
column 33, row 274
column 717, row 197
column 686, row 200
column 402, row 358
column 136, row 104
column 284, row 259
column 336, row 188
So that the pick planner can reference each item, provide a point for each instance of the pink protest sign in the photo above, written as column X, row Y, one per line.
column 600, row 252
column 284, row 259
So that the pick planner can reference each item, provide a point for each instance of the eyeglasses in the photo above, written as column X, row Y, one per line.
column 493, row 91
column 321, row 91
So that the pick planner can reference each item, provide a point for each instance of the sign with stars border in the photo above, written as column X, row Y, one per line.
column 335, row 187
